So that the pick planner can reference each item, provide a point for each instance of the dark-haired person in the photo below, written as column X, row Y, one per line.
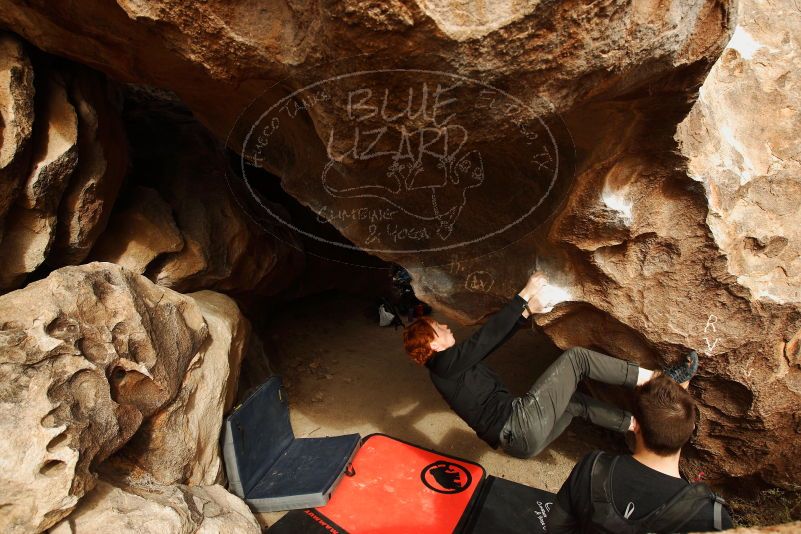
column 521, row 426
column 624, row 493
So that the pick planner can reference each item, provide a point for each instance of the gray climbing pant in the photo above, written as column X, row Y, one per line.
column 542, row 414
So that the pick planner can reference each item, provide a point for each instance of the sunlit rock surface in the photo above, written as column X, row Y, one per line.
column 742, row 142
column 31, row 221
column 742, row 145
column 85, row 355
column 64, row 155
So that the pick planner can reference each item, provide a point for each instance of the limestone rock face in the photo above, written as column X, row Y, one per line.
column 32, row 220
column 60, row 172
column 141, row 228
column 16, row 111
column 102, row 163
column 742, row 143
column 180, row 443
column 158, row 509
column 212, row 54
column 85, row 355
column 488, row 93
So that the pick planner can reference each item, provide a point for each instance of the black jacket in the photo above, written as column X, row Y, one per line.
column 633, row 484
column 470, row 388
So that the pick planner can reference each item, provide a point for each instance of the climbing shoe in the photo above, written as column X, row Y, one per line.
column 682, row 372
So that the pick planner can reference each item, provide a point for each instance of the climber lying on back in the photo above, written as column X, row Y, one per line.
column 624, row 493
column 521, row 426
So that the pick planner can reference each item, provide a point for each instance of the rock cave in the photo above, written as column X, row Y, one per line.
column 195, row 196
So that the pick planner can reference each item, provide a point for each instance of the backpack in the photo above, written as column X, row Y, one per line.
column 670, row 517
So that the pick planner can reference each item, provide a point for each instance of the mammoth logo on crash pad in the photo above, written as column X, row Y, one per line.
column 446, row 477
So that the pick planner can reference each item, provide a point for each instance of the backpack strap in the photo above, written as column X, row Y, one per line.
column 717, row 511
column 682, row 508
column 604, row 517
column 669, row 517
column 598, row 475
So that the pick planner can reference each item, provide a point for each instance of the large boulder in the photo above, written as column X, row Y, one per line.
column 180, row 442
column 157, row 509
column 476, row 113
column 85, row 356
column 742, row 144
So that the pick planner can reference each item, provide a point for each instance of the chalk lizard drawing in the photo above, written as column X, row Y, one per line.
column 445, row 184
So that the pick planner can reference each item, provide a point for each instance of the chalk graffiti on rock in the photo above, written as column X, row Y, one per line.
column 398, row 159
column 479, row 281
column 710, row 331
column 328, row 214
column 418, row 162
column 290, row 108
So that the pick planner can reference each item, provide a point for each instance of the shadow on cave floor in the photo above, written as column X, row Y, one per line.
column 343, row 373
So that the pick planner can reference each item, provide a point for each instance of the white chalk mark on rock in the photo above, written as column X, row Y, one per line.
column 479, row 282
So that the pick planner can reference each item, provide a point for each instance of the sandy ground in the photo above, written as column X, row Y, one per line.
column 343, row 374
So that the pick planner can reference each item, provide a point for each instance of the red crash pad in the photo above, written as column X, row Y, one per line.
column 400, row 488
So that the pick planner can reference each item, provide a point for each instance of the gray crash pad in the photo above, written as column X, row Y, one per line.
column 271, row 469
